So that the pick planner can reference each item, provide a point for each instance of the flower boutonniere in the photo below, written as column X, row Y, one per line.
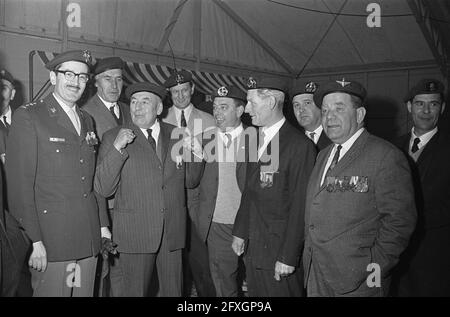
column 91, row 138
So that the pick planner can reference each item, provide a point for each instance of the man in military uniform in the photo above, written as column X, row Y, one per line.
column 50, row 169
column 106, row 109
column 308, row 115
column 184, row 114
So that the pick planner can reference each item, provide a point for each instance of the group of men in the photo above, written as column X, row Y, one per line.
column 333, row 211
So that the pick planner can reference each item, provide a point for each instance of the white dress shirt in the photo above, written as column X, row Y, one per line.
column 269, row 133
column 71, row 112
column 317, row 133
column 424, row 138
column 345, row 147
column 8, row 116
column 108, row 105
column 187, row 113
column 155, row 131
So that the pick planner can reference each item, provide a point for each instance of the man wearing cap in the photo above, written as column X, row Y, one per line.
column 221, row 187
column 269, row 222
column 106, row 109
column 360, row 208
column 136, row 164
column 184, row 114
column 308, row 115
column 50, row 170
column 424, row 268
column 8, row 92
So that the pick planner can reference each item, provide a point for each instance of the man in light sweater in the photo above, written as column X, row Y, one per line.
column 221, row 187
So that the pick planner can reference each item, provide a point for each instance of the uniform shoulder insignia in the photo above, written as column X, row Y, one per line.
column 27, row 105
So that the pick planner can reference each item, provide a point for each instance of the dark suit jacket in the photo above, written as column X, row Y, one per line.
column 346, row 230
column 103, row 119
column 50, row 171
column 271, row 219
column 149, row 193
column 209, row 184
column 426, row 260
column 323, row 142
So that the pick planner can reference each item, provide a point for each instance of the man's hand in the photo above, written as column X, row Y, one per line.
column 282, row 270
column 105, row 233
column 38, row 258
column 124, row 137
column 191, row 143
column 238, row 245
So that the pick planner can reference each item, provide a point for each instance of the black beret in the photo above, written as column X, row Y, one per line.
column 108, row 63
column 350, row 87
column 178, row 78
column 305, row 88
column 77, row 56
column 426, row 86
column 5, row 75
column 146, row 86
column 274, row 83
column 230, row 92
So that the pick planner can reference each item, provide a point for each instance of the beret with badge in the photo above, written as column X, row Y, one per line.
column 5, row 75
column 305, row 88
column 350, row 87
column 145, row 86
column 83, row 56
column 108, row 63
column 178, row 78
column 230, row 92
column 426, row 87
column 274, row 83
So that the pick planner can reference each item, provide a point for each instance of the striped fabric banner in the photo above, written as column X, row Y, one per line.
column 136, row 72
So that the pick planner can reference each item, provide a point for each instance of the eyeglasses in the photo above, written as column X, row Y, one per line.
column 69, row 75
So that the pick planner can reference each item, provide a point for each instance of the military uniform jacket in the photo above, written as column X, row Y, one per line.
column 347, row 226
column 149, row 192
column 103, row 118
column 50, row 171
column 271, row 214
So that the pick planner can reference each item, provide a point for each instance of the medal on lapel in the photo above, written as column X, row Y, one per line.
column 91, row 138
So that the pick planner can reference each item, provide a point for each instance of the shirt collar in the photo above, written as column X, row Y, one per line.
column 107, row 103
column 317, row 132
column 187, row 112
column 63, row 105
column 155, row 130
column 235, row 132
column 269, row 132
column 424, row 138
column 348, row 144
column 8, row 113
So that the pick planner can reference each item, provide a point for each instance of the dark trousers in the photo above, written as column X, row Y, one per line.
column 65, row 279
column 132, row 273
column 197, row 260
column 223, row 262
column 261, row 282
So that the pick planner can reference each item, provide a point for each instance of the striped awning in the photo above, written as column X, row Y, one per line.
column 137, row 72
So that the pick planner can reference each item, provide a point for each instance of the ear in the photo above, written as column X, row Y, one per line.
column 53, row 78
column 409, row 106
column 272, row 102
column 239, row 111
column 13, row 93
column 360, row 114
column 192, row 88
column 443, row 107
column 160, row 108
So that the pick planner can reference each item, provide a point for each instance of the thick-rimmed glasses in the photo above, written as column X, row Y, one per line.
column 70, row 75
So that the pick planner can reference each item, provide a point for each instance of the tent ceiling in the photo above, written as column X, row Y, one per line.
column 280, row 36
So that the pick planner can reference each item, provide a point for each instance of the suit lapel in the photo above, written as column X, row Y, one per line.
column 84, row 126
column 104, row 112
column 322, row 161
column 164, row 140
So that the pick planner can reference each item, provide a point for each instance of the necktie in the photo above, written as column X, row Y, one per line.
column 311, row 136
column 228, row 140
column 415, row 146
column 111, row 109
column 335, row 158
column 183, row 120
column 74, row 118
column 6, row 123
column 150, row 138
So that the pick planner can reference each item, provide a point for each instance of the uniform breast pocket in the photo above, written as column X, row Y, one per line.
column 55, row 157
